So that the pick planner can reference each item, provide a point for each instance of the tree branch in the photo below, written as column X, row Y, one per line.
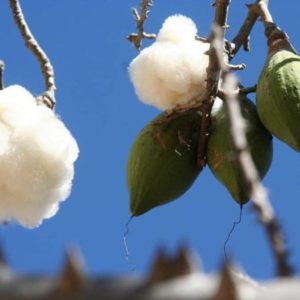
column 48, row 97
column 239, row 91
column 259, row 8
column 136, row 38
column 247, row 90
column 213, row 76
column 257, row 191
column 221, row 14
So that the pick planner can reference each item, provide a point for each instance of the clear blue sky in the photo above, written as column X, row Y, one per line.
column 86, row 41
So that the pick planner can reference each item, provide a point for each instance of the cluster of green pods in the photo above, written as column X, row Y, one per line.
column 162, row 162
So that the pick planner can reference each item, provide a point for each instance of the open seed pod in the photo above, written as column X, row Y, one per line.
column 221, row 156
column 278, row 90
column 162, row 161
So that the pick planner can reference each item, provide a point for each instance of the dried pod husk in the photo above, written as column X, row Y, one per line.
column 162, row 161
column 221, row 156
column 278, row 90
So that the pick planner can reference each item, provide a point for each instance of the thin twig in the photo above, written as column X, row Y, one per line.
column 48, row 97
column 239, row 91
column 257, row 191
column 136, row 38
column 202, row 39
column 213, row 76
column 242, row 38
column 247, row 90
column 1, row 75
column 237, row 67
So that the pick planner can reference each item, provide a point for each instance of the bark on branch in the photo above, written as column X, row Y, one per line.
column 136, row 38
column 213, row 77
column 255, row 10
column 48, row 97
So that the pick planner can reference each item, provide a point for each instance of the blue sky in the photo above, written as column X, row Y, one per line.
column 86, row 41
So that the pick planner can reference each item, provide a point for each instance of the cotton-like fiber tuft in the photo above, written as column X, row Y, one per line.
column 172, row 71
column 176, row 29
column 37, row 155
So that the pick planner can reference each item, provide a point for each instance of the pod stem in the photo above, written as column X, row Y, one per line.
column 48, row 97
column 277, row 39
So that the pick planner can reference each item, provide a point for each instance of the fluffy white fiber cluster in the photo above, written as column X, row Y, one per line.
column 173, row 69
column 37, row 153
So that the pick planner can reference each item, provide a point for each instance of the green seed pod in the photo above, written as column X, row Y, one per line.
column 221, row 156
column 162, row 161
column 278, row 91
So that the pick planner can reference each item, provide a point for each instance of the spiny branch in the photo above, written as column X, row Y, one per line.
column 213, row 77
column 257, row 191
column 259, row 8
column 48, row 97
column 136, row 38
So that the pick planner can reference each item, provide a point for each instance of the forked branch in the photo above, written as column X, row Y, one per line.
column 255, row 10
column 140, row 18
